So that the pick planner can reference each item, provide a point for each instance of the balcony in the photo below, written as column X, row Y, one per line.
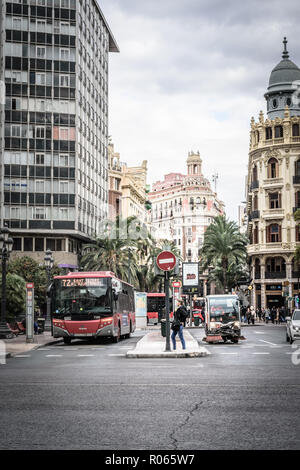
column 275, row 275
column 254, row 185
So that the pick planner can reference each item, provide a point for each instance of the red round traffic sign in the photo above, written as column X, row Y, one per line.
column 166, row 261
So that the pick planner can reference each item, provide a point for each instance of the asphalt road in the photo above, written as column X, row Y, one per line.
column 90, row 396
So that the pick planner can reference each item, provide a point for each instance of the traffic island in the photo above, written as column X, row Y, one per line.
column 154, row 345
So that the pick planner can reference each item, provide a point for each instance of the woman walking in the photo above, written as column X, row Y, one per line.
column 177, row 325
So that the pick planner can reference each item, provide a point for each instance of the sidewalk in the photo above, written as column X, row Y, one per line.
column 154, row 345
column 18, row 345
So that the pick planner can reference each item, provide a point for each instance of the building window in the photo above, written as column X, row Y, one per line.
column 272, row 168
column 297, row 168
column 39, row 159
column 28, row 244
column 274, row 200
column 278, row 132
column 297, row 199
column 268, row 133
column 274, row 233
column 39, row 244
column 41, row 52
column 17, row 246
column 296, row 130
column 255, row 235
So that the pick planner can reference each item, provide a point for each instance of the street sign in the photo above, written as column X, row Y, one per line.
column 190, row 274
column 166, row 261
column 177, row 284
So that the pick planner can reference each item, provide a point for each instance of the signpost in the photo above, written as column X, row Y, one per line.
column 29, row 312
column 166, row 261
column 190, row 282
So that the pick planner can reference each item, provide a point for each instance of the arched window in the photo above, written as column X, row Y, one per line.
column 296, row 130
column 278, row 132
column 257, row 137
column 274, row 233
column 268, row 133
column 272, row 168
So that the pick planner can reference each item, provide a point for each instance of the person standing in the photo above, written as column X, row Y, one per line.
column 267, row 315
column 178, row 323
column 248, row 315
column 252, row 315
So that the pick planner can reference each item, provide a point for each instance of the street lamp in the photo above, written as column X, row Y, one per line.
column 6, row 244
column 49, row 261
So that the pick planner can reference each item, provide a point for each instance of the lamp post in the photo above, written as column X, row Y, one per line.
column 48, row 259
column 6, row 244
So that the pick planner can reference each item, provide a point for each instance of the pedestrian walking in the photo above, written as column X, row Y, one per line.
column 268, row 315
column 273, row 314
column 244, row 310
column 277, row 316
column 263, row 314
column 177, row 325
column 252, row 315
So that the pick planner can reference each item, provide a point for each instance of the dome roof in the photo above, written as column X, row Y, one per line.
column 286, row 72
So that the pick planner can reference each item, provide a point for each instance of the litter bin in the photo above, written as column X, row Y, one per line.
column 196, row 321
column 163, row 327
column 41, row 324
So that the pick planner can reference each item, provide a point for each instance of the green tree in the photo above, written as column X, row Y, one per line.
column 224, row 250
column 15, row 295
column 31, row 271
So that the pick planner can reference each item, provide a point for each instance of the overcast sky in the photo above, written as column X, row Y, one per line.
column 189, row 76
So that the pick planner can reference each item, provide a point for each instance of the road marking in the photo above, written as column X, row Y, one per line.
column 85, row 355
column 44, row 349
column 24, row 355
column 116, row 355
column 260, row 353
column 259, row 332
column 272, row 344
column 235, row 353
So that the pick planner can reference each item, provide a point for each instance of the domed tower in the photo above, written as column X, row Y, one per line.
column 194, row 164
column 281, row 87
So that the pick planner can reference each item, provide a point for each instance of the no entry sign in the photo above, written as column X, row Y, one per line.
column 166, row 261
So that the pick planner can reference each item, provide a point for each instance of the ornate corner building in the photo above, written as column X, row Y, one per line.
column 183, row 206
column 274, row 190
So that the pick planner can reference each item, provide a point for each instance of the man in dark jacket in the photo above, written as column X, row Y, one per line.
column 178, row 324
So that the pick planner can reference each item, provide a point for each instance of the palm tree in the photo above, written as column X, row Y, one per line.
column 224, row 248
column 107, row 255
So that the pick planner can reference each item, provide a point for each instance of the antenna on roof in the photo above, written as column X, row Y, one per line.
column 285, row 54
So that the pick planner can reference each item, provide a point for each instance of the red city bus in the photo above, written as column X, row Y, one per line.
column 156, row 303
column 92, row 304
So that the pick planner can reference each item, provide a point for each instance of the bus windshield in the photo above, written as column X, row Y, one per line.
column 79, row 296
column 224, row 309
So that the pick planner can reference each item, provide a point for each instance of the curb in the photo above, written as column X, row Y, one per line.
column 132, row 355
column 36, row 346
